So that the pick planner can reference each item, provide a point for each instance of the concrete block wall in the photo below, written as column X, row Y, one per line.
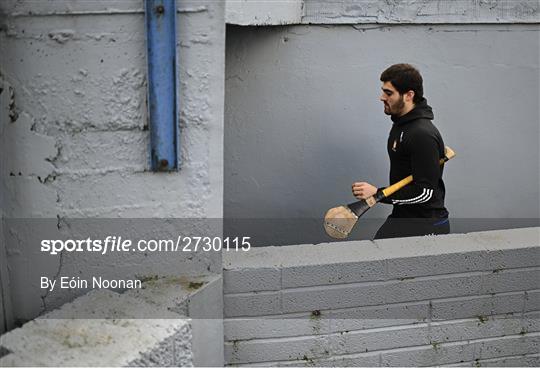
column 74, row 138
column 463, row 299
column 75, row 75
column 161, row 324
column 57, row 340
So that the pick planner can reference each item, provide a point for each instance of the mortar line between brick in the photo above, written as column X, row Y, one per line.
column 525, row 297
column 493, row 359
column 412, row 347
column 395, row 281
column 281, row 288
column 380, row 360
column 422, row 301
column 497, row 317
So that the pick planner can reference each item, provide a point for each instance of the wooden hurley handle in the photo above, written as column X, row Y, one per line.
column 388, row 191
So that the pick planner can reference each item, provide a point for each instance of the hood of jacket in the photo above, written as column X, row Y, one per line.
column 420, row 111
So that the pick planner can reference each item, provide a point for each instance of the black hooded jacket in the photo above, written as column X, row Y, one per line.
column 415, row 147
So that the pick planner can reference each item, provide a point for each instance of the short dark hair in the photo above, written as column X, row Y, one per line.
column 405, row 78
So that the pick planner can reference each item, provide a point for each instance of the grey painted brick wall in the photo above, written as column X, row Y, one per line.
column 455, row 299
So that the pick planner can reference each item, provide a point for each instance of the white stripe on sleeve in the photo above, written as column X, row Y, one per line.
column 422, row 198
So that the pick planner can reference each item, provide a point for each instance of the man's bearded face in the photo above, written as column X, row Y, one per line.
column 394, row 107
column 394, row 102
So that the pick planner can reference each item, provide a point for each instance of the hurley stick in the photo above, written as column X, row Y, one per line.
column 339, row 221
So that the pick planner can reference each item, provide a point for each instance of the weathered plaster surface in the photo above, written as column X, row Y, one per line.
column 80, row 85
column 74, row 134
column 279, row 12
column 421, row 11
column 264, row 12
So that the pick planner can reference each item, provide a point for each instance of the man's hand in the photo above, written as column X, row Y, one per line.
column 362, row 190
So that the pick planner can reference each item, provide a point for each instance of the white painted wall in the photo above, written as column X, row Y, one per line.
column 79, row 81
column 74, row 73
column 397, row 302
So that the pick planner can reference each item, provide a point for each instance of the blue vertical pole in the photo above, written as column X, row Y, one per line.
column 162, row 87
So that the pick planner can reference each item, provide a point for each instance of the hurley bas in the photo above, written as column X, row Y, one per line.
column 94, row 283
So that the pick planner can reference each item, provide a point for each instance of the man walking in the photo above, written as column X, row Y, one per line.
column 415, row 147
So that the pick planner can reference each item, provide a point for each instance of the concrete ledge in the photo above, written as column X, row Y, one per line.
column 57, row 339
column 173, row 294
column 323, row 264
column 200, row 299
column 171, row 321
